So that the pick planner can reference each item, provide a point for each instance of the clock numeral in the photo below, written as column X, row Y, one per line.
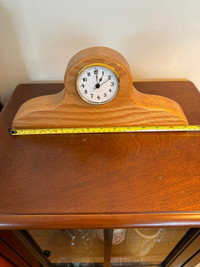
column 88, row 74
column 91, row 95
column 82, row 85
column 98, row 97
column 85, row 91
column 105, row 95
column 109, row 77
column 112, row 83
column 110, row 90
column 95, row 71
column 85, row 79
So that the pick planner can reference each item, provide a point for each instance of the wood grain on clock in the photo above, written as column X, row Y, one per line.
column 128, row 108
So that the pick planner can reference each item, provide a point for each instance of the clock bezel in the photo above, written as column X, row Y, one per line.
column 102, row 65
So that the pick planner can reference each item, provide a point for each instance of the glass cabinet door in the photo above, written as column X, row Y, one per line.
column 145, row 246
column 110, row 247
column 77, row 247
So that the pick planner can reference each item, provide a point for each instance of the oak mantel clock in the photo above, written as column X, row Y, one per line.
column 98, row 92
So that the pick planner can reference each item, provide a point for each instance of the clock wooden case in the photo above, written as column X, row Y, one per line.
column 127, row 107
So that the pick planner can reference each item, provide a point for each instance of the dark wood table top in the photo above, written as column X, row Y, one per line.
column 101, row 180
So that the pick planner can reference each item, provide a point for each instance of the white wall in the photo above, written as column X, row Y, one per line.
column 159, row 38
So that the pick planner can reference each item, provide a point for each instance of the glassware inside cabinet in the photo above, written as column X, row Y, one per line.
column 80, row 247
column 110, row 247
column 146, row 246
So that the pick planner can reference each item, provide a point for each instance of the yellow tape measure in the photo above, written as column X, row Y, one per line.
column 106, row 130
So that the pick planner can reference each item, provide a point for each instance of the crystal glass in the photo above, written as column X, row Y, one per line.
column 140, row 241
column 81, row 239
column 119, row 235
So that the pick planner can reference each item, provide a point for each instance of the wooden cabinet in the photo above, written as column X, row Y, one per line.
column 85, row 247
column 101, row 181
column 14, row 252
column 128, row 246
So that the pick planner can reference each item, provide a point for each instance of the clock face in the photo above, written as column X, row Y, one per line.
column 97, row 84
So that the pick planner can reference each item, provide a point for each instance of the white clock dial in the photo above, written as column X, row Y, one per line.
column 97, row 84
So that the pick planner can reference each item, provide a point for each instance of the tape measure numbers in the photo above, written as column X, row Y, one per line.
column 106, row 130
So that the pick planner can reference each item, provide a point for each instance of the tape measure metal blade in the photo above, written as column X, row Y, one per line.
column 105, row 130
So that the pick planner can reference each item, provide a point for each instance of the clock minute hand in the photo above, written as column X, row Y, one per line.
column 104, row 82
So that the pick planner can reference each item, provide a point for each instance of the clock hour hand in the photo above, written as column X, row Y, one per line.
column 101, row 77
column 98, row 81
column 98, row 84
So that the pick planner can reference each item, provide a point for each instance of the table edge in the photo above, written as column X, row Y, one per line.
column 99, row 221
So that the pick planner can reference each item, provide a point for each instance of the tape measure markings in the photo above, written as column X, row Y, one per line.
column 105, row 130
